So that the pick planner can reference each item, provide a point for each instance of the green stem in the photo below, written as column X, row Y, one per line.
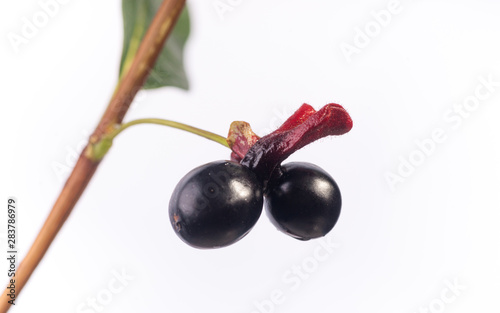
column 96, row 151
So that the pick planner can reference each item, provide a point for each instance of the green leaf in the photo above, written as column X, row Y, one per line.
column 169, row 68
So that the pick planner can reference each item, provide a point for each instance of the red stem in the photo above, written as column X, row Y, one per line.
column 84, row 169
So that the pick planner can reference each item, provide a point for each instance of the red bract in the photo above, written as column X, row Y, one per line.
column 241, row 137
column 297, row 118
column 302, row 128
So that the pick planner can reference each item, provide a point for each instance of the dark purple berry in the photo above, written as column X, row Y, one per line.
column 216, row 204
column 303, row 201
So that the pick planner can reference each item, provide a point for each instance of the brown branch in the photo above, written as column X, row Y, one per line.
column 130, row 84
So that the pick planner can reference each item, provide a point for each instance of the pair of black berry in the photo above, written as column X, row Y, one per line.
column 218, row 203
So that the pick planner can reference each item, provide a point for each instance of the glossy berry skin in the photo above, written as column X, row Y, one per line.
column 303, row 201
column 216, row 204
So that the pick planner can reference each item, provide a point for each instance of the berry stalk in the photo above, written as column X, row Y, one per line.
column 96, row 151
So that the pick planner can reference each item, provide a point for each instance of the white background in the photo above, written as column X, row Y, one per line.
column 396, row 251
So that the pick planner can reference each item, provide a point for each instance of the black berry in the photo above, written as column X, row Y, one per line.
column 216, row 204
column 303, row 201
